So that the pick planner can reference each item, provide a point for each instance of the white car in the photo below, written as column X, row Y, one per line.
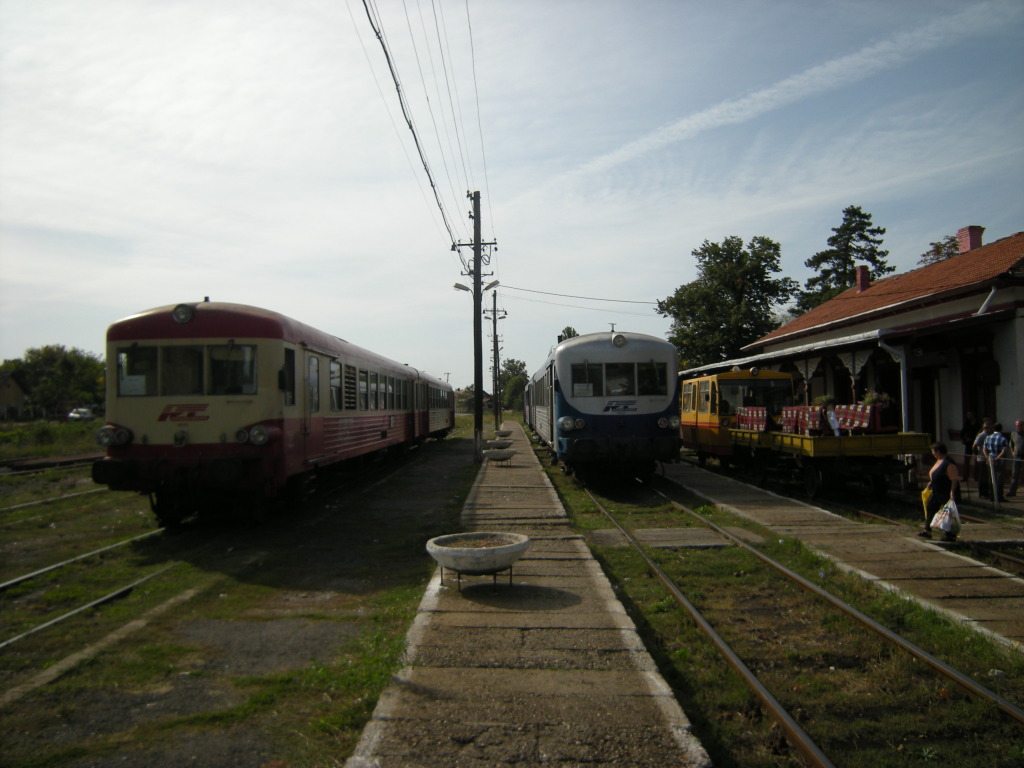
column 81, row 414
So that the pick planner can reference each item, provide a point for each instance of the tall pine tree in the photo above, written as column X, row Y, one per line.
column 852, row 242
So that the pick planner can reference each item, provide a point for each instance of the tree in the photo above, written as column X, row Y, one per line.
column 731, row 302
column 947, row 247
column 59, row 379
column 567, row 333
column 855, row 240
column 513, row 381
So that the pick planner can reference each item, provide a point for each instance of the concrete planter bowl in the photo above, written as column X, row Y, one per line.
column 478, row 553
column 499, row 454
column 499, row 444
column 503, row 432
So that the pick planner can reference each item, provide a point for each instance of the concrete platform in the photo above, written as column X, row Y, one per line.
column 984, row 597
column 547, row 670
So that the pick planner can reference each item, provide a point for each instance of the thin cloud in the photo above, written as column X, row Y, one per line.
column 830, row 76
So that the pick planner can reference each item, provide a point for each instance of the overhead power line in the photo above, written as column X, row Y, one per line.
column 569, row 296
column 405, row 113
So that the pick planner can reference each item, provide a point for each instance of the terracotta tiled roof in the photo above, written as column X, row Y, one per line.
column 970, row 272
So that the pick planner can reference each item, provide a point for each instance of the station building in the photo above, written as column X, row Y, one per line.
column 930, row 344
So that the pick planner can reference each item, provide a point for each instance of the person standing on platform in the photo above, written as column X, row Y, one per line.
column 996, row 449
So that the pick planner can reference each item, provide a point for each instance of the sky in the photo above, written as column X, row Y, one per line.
column 154, row 152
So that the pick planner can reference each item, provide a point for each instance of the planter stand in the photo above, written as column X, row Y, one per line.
column 478, row 553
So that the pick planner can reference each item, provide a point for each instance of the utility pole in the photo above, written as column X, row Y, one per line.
column 496, row 396
column 475, row 269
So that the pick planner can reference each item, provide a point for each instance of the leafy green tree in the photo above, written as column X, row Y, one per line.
column 855, row 240
column 731, row 303
column 946, row 248
column 567, row 333
column 513, row 379
column 59, row 379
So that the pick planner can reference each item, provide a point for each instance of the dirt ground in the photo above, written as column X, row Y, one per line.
column 310, row 580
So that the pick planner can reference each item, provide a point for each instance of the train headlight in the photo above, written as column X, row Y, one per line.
column 669, row 422
column 108, row 436
column 183, row 313
column 566, row 424
column 579, row 424
column 619, row 340
column 259, row 435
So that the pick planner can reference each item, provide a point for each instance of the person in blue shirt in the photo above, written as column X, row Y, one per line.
column 995, row 450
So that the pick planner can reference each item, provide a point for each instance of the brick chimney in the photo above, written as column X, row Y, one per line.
column 863, row 280
column 969, row 238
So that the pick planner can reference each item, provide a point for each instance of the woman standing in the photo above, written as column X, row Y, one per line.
column 944, row 482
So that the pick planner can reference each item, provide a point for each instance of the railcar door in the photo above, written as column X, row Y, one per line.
column 312, row 423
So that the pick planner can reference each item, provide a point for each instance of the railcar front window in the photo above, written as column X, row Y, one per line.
column 587, row 380
column 136, row 371
column 181, row 371
column 232, row 369
column 652, row 378
column 620, row 379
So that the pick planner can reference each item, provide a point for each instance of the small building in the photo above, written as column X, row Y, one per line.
column 14, row 402
column 936, row 342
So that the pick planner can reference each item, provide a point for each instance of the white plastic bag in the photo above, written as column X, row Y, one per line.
column 948, row 518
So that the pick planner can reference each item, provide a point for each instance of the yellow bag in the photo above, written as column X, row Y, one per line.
column 926, row 496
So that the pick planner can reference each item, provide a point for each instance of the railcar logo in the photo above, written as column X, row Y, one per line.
column 620, row 406
column 182, row 412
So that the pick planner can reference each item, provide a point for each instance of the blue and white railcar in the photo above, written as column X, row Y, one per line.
column 607, row 400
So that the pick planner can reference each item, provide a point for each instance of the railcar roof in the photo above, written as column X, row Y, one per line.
column 224, row 320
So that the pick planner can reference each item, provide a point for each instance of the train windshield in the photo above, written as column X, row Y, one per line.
column 176, row 370
column 619, row 379
column 773, row 394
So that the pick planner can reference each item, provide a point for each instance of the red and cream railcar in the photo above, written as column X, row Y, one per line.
column 213, row 404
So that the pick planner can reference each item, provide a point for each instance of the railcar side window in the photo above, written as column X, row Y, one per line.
column 652, row 378
column 703, row 396
column 374, row 389
column 364, row 390
column 687, row 397
column 314, row 384
column 587, row 380
column 335, row 385
column 136, row 371
column 620, row 379
column 232, row 369
column 181, row 370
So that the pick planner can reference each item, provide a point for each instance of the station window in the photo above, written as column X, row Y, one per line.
column 335, row 385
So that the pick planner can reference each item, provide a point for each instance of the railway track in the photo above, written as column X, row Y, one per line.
column 755, row 644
